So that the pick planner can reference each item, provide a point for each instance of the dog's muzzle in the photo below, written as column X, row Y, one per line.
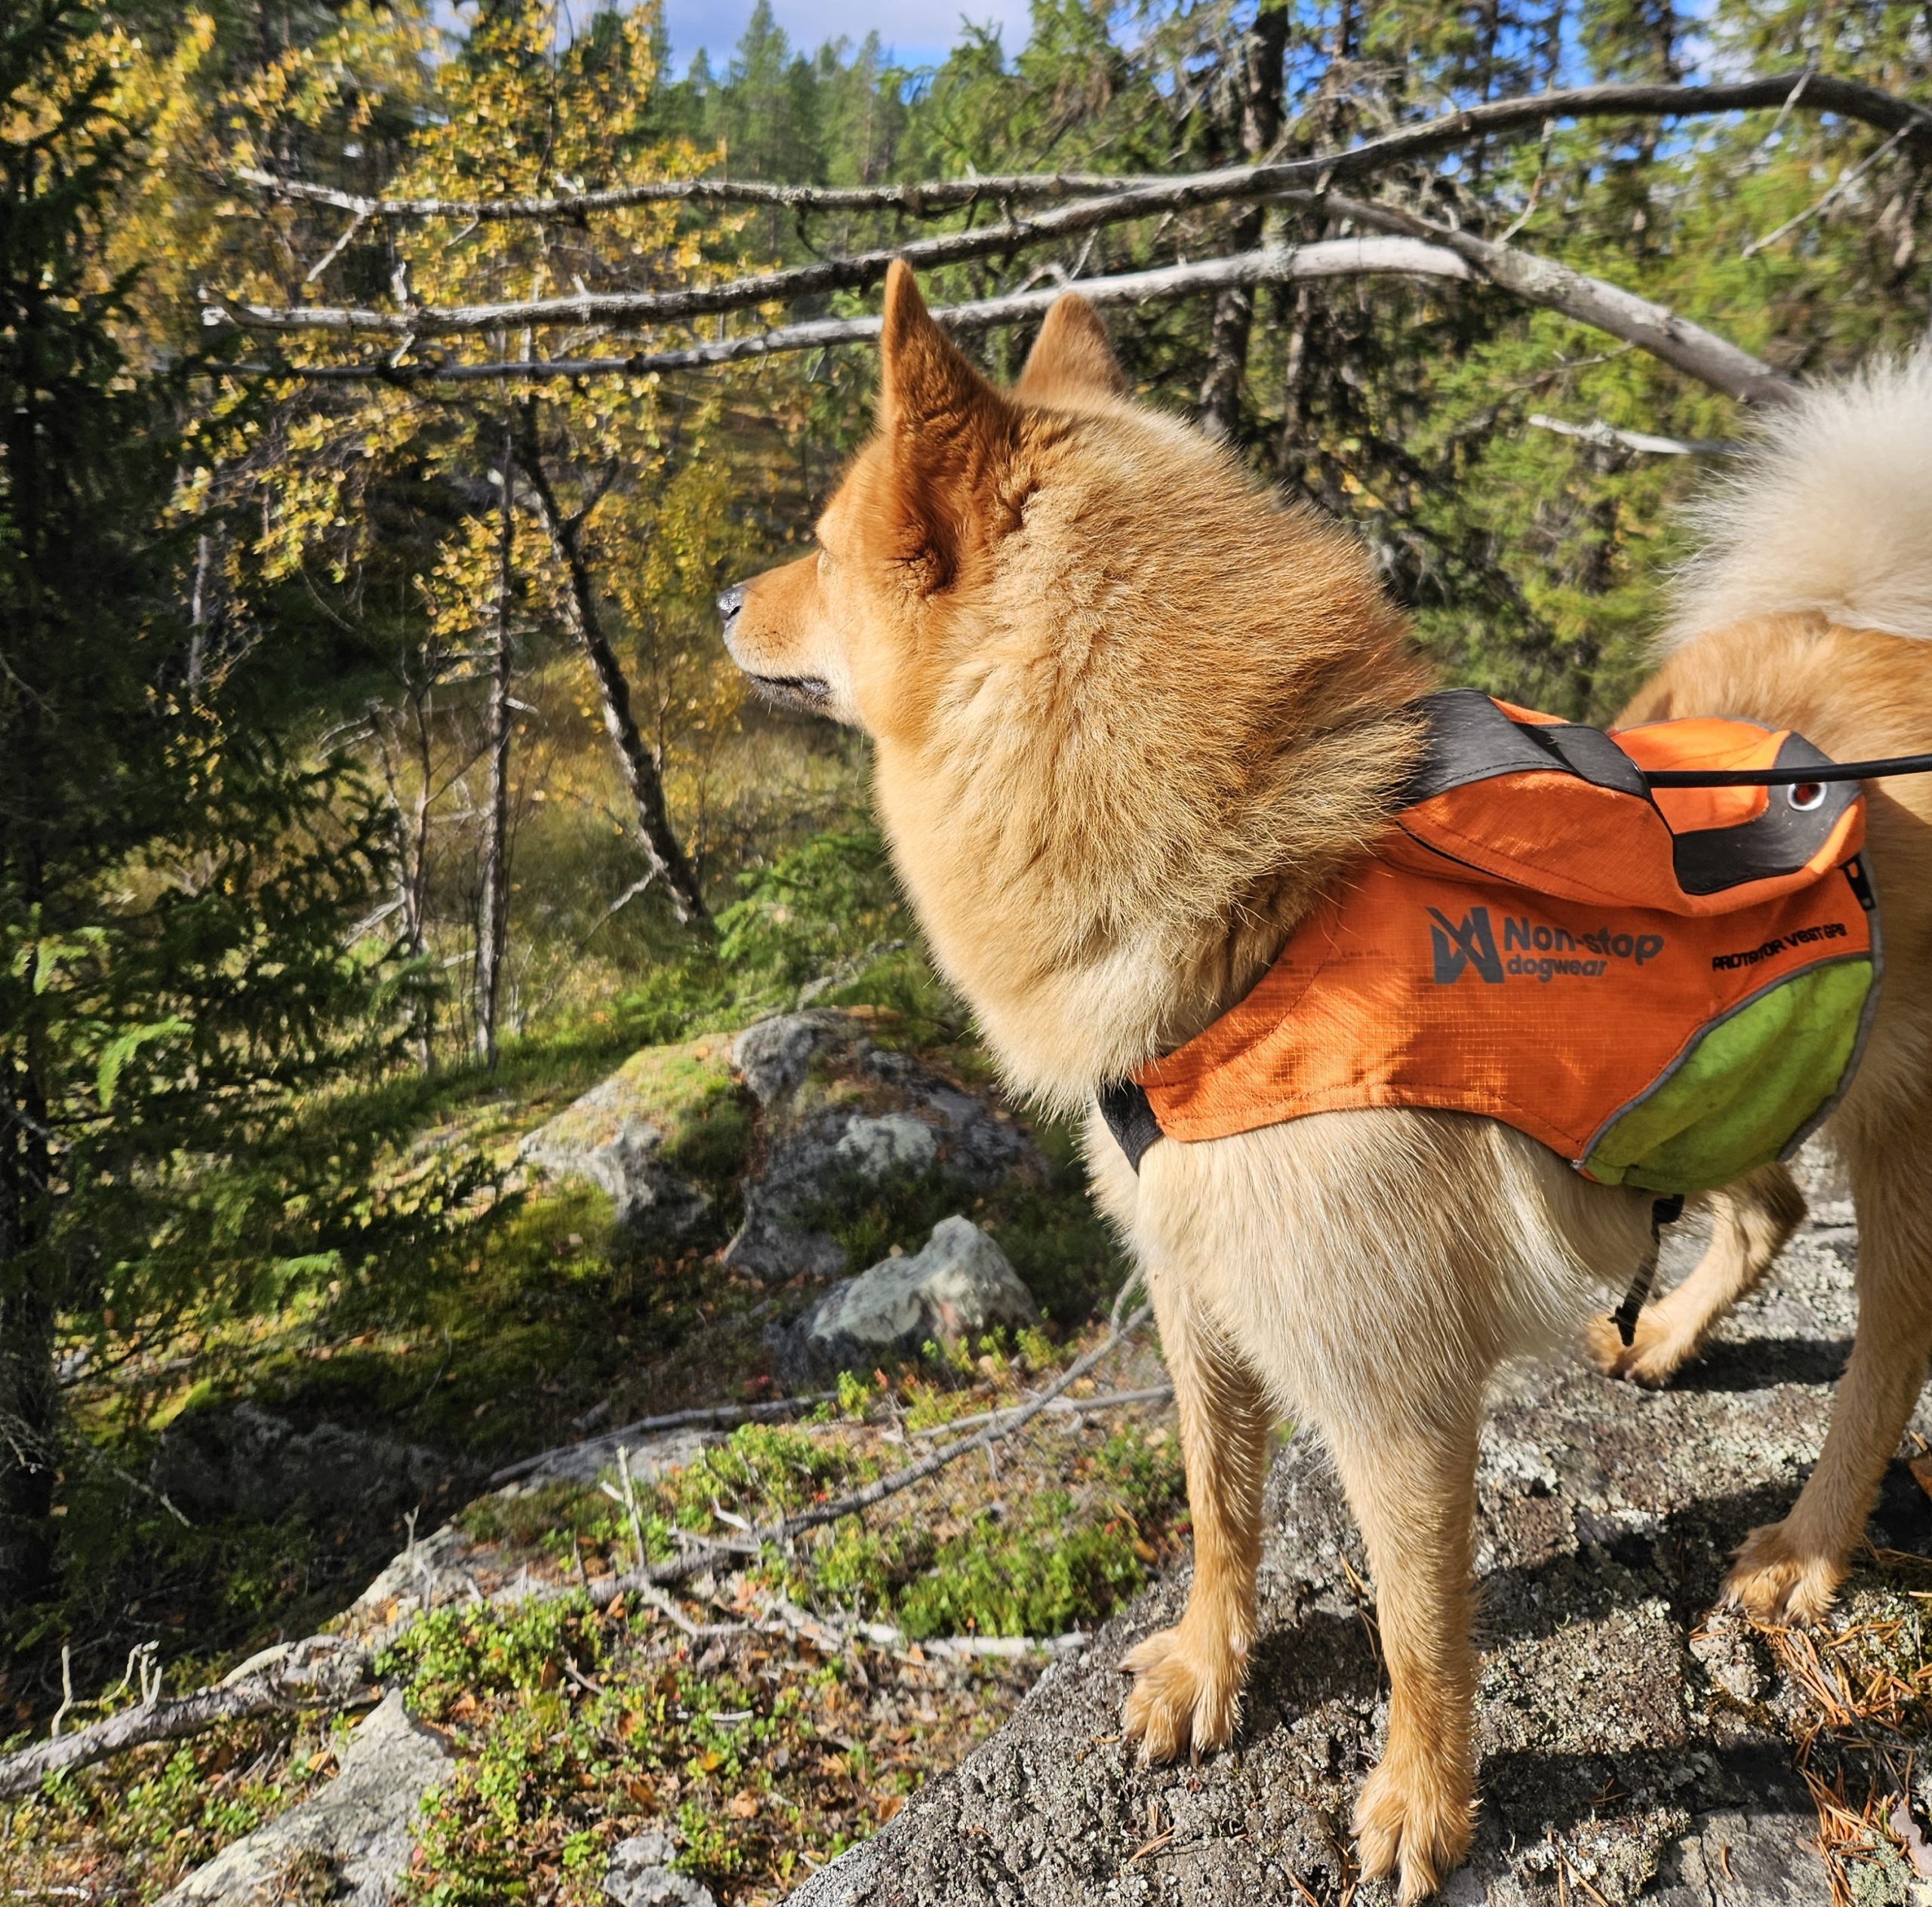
column 808, row 693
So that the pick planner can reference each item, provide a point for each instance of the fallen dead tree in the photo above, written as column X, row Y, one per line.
column 710, row 1416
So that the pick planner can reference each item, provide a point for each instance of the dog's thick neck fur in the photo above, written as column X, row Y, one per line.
column 1112, row 789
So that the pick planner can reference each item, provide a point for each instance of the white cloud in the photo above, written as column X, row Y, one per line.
column 916, row 30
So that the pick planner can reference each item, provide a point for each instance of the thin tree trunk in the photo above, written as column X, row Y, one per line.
column 418, row 877
column 199, row 613
column 492, row 915
column 29, row 1395
column 667, row 858
column 1263, row 49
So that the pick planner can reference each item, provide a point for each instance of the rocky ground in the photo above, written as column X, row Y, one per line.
column 868, row 1229
column 826, row 1244
column 1634, row 1746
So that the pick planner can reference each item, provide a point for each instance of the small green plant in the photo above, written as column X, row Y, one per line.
column 868, row 1570
column 762, row 1472
column 1036, row 1349
column 827, row 900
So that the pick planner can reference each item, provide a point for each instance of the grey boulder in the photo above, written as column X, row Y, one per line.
column 604, row 1137
column 780, row 1237
column 355, row 1835
column 959, row 1285
column 1634, row 1748
column 772, row 1056
column 247, row 1462
column 641, row 1875
column 875, row 1149
column 422, row 1575
column 818, row 1156
column 651, row 1456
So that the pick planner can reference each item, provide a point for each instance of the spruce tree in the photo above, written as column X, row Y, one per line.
column 179, row 968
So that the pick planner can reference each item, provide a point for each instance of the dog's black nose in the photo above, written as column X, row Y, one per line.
column 730, row 602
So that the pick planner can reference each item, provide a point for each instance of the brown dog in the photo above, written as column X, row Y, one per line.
column 1131, row 716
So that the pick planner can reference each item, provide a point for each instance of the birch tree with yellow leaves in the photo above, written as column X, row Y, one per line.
column 584, row 514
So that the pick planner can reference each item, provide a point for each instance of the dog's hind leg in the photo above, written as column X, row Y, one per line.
column 1789, row 1571
column 1412, row 1491
column 1188, row 1679
column 1751, row 1222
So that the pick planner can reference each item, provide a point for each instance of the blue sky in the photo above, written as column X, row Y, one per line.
column 917, row 30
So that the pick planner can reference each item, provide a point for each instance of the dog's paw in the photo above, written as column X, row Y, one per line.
column 1186, row 1694
column 1654, row 1356
column 1415, row 1819
column 1773, row 1580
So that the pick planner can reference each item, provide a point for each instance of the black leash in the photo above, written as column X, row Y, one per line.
column 1663, row 1211
column 1890, row 764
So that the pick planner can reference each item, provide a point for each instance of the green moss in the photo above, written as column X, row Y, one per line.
column 534, row 1518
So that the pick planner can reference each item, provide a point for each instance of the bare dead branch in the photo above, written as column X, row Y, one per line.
column 1825, row 200
column 927, row 200
column 1688, row 347
column 1598, row 431
column 709, row 1414
column 1848, row 98
column 1227, row 185
column 1327, row 258
column 322, row 1672
column 1061, row 1407
column 661, row 845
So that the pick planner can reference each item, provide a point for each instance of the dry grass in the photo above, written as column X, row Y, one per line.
column 1863, row 1703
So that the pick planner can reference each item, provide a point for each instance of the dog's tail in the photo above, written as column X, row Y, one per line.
column 1830, row 511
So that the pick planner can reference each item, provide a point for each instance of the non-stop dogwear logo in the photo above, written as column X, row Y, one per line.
column 1530, row 949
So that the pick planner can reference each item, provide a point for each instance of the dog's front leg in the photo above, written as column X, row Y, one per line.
column 1188, row 1679
column 1412, row 1491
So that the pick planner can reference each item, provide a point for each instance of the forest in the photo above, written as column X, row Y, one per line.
column 392, row 864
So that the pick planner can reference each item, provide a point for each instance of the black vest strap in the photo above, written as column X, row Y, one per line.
column 1131, row 1118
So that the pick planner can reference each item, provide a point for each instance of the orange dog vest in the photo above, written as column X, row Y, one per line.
column 1667, row 988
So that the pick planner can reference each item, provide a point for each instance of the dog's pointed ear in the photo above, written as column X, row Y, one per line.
column 950, row 435
column 1072, row 357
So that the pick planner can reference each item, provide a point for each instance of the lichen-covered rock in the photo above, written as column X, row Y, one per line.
column 773, row 1056
column 613, row 1136
column 875, row 1115
column 650, row 1455
column 420, row 1577
column 641, row 1875
column 895, row 1143
column 1632, row 1748
column 959, row 1285
column 248, row 1462
column 352, row 1839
